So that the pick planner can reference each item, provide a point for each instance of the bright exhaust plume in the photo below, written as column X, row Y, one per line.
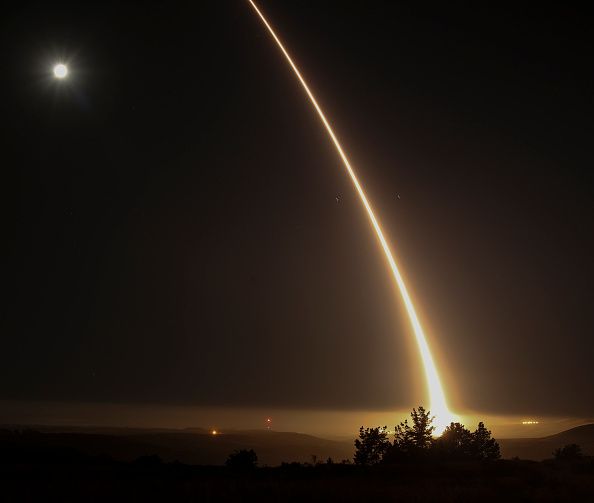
column 437, row 399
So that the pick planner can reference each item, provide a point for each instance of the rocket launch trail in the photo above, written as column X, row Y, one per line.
column 437, row 399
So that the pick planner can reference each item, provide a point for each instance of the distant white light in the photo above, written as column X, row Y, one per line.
column 60, row 71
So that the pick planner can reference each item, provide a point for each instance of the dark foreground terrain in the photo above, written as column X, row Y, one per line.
column 75, row 479
column 124, row 465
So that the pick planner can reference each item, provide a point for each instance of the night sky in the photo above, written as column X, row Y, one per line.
column 178, row 229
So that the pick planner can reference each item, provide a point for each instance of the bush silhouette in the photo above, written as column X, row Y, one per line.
column 149, row 461
column 570, row 452
column 242, row 460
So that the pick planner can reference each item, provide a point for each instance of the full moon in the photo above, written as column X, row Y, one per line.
column 60, row 71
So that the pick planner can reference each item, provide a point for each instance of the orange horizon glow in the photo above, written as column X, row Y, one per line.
column 437, row 398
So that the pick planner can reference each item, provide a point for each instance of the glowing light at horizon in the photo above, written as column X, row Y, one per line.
column 530, row 422
column 437, row 399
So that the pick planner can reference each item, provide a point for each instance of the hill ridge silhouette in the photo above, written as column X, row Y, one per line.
column 198, row 446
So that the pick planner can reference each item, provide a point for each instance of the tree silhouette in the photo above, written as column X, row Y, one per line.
column 483, row 446
column 371, row 445
column 456, row 442
column 242, row 460
column 414, row 441
column 417, row 437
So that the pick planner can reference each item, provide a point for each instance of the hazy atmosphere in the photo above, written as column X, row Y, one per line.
column 183, row 246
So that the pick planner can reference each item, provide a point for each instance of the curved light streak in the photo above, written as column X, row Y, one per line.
column 437, row 399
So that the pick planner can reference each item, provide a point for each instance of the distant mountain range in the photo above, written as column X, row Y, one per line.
column 542, row 448
column 199, row 446
column 191, row 446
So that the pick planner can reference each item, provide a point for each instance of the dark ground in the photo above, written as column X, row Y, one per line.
column 102, row 480
column 37, row 466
